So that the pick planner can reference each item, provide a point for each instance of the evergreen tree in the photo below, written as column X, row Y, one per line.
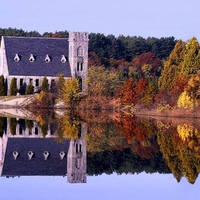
column 60, row 84
column 191, row 63
column 172, row 67
column 29, row 89
column 45, row 85
column 2, row 86
column 13, row 87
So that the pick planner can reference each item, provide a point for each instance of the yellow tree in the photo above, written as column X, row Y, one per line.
column 71, row 93
column 186, row 102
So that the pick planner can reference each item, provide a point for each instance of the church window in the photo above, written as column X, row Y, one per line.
column 80, row 51
column 17, row 57
column 46, row 154
column 76, row 148
column 15, row 154
column 30, row 155
column 63, row 59
column 37, row 82
column 79, row 66
column 47, row 58
column 36, row 131
column 32, row 58
column 20, row 130
column 62, row 155
column 21, row 81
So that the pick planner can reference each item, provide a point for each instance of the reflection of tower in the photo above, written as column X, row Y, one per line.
column 76, row 159
column 3, row 144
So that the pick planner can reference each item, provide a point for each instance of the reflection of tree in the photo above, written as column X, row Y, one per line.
column 12, row 125
column 104, row 136
column 123, row 161
column 29, row 124
column 2, row 125
column 69, row 126
column 180, row 150
column 140, row 134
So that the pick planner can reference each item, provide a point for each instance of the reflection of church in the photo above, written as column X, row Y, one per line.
column 28, row 153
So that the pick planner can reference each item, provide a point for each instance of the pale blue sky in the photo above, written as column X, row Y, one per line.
column 178, row 18
column 107, row 187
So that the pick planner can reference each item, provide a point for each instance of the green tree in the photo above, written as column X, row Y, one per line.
column 3, row 122
column 191, row 63
column 172, row 67
column 29, row 89
column 45, row 85
column 2, row 86
column 60, row 84
column 13, row 87
column 102, row 82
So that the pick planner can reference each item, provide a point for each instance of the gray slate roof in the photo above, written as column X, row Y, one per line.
column 22, row 166
column 39, row 47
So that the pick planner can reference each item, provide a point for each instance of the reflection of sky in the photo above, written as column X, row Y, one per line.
column 123, row 187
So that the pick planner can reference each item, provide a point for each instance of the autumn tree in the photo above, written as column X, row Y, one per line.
column 93, row 59
column 102, row 82
column 150, row 61
column 71, row 92
column 126, row 94
column 193, row 86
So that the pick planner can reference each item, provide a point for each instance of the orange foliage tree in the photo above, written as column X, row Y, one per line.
column 150, row 59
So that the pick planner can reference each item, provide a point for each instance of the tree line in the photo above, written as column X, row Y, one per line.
column 152, row 73
column 110, row 46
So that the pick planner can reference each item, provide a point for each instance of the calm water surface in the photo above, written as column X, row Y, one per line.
column 99, row 158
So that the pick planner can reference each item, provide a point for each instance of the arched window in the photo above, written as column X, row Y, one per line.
column 17, row 57
column 32, row 58
column 47, row 58
column 80, row 51
column 63, row 59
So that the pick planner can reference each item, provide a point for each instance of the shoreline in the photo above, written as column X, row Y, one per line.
column 19, row 103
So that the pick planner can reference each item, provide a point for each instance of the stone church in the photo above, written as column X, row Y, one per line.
column 29, row 59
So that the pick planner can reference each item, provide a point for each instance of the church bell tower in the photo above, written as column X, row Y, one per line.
column 78, row 56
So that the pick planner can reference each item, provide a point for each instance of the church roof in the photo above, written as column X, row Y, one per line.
column 37, row 165
column 35, row 56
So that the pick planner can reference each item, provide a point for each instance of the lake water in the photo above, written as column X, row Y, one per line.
column 99, row 157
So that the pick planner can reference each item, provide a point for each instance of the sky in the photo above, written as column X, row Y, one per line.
column 128, row 187
column 145, row 18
